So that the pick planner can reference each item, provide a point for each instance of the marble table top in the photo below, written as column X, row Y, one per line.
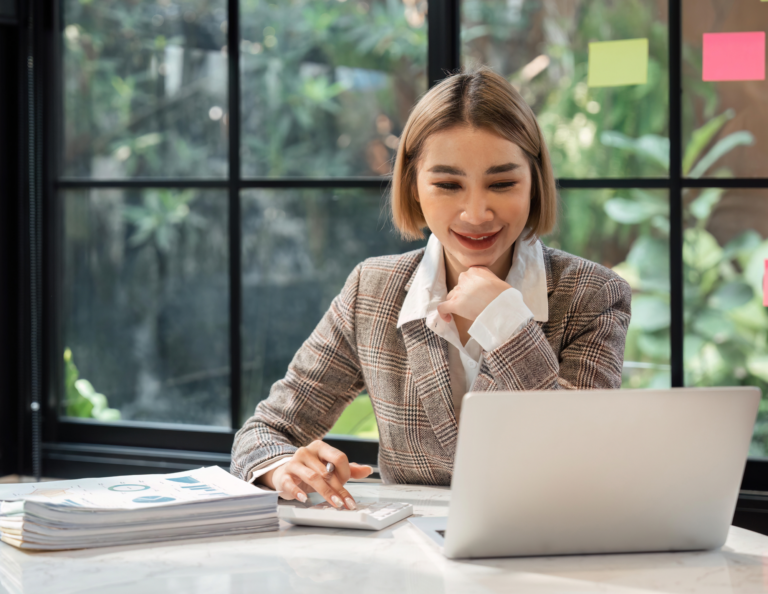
column 397, row 559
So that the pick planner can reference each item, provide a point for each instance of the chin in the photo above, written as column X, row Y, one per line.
column 471, row 260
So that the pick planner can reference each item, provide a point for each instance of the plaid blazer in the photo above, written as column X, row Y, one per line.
column 357, row 346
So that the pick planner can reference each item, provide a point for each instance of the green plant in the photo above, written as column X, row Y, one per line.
column 726, row 324
column 160, row 216
column 358, row 419
column 81, row 398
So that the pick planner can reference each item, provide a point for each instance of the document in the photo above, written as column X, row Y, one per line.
column 133, row 509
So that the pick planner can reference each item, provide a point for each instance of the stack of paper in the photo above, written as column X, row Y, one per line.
column 133, row 509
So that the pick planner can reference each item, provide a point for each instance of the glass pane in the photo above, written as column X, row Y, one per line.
column 543, row 49
column 725, row 254
column 146, row 306
column 327, row 86
column 627, row 231
column 725, row 122
column 145, row 89
column 299, row 246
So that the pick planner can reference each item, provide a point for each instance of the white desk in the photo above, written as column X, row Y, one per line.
column 398, row 559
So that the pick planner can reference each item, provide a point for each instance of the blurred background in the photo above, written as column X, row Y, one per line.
column 157, row 222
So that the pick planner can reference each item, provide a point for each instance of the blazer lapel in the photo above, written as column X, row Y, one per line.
column 428, row 360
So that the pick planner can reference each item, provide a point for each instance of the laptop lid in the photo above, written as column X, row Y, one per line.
column 598, row 471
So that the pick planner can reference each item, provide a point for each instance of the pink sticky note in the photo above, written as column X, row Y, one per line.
column 734, row 56
column 765, row 285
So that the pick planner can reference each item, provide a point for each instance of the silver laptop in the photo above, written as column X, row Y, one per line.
column 595, row 471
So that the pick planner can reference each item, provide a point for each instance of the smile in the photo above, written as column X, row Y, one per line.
column 476, row 241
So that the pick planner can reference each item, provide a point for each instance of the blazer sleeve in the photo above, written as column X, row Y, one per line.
column 593, row 346
column 322, row 379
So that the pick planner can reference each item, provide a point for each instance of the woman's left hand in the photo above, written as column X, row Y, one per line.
column 477, row 287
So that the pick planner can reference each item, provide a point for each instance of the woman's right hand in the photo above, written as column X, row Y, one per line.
column 306, row 473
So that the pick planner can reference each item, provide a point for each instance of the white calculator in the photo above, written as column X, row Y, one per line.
column 367, row 516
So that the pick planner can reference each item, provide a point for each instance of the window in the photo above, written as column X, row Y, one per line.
column 145, row 305
column 628, row 230
column 212, row 203
column 298, row 248
column 219, row 167
column 543, row 49
column 327, row 86
column 726, row 318
column 144, row 90
column 726, row 116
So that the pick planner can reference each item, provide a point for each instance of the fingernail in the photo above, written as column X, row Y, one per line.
column 350, row 503
column 301, row 497
column 337, row 501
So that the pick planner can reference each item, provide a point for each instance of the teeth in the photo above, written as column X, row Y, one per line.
column 478, row 238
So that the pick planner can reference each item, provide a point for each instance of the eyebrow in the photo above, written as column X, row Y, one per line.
column 490, row 171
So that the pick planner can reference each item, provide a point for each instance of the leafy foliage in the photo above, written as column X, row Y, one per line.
column 726, row 324
column 158, row 219
column 320, row 92
column 358, row 419
column 325, row 90
column 82, row 400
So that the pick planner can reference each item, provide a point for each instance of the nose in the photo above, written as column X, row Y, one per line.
column 476, row 209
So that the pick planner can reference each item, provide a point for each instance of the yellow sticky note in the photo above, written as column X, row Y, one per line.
column 618, row 63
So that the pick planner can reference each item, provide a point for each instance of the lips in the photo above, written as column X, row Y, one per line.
column 477, row 241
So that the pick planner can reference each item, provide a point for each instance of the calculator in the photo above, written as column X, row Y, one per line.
column 367, row 516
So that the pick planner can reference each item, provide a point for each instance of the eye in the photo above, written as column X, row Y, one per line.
column 504, row 185
column 454, row 186
column 447, row 186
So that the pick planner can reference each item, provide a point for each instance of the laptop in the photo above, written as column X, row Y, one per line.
column 595, row 471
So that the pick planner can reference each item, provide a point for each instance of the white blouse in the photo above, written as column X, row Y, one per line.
column 497, row 323
column 501, row 319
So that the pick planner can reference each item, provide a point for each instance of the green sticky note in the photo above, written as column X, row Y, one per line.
column 618, row 63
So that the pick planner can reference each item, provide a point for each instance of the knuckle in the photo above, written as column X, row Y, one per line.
column 312, row 476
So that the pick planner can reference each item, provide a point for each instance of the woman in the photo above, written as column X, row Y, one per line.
column 485, row 306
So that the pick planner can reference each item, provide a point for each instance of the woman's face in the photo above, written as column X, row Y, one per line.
column 474, row 188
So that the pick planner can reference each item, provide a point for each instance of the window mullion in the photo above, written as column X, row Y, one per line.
column 675, row 194
column 235, row 286
column 443, row 31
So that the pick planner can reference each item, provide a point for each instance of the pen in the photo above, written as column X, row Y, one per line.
column 330, row 468
column 350, row 502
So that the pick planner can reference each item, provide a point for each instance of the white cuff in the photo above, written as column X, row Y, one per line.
column 254, row 474
column 500, row 320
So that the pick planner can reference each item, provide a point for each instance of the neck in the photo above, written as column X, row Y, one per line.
column 453, row 268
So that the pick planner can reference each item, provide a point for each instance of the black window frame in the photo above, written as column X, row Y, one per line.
column 13, row 165
column 70, row 447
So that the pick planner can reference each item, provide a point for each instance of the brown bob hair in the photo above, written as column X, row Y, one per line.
column 479, row 98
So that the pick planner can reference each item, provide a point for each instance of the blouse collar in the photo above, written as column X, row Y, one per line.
column 428, row 288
